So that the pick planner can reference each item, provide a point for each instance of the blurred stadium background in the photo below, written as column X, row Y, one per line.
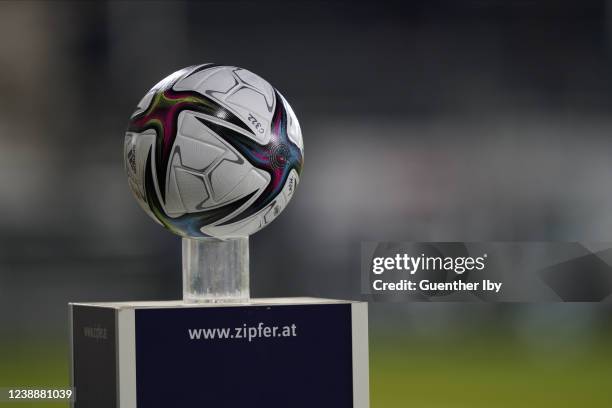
column 438, row 120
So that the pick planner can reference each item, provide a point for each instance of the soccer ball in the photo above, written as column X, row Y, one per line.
column 213, row 151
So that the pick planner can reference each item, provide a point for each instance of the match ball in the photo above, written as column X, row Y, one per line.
column 213, row 151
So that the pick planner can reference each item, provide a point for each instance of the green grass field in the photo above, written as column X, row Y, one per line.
column 34, row 364
column 488, row 372
column 477, row 371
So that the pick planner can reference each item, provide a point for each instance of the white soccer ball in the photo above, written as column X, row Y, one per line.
column 213, row 151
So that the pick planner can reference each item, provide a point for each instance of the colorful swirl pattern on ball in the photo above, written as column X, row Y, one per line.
column 278, row 157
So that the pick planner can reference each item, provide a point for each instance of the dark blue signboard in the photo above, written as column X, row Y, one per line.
column 245, row 356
